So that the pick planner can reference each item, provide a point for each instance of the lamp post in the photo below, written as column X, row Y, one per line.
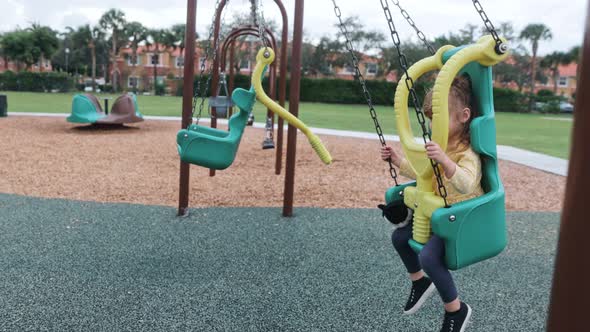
column 67, row 50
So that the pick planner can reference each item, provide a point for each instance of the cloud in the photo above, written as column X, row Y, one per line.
column 433, row 17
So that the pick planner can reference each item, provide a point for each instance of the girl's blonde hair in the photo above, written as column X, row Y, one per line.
column 462, row 98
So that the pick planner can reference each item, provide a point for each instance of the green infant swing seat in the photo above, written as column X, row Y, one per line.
column 472, row 230
column 216, row 148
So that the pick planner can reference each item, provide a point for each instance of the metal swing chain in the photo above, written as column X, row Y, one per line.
column 411, row 22
column 403, row 62
column 366, row 92
column 203, row 94
column 501, row 47
column 261, row 25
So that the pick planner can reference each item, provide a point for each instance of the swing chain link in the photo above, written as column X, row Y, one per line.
column 366, row 93
column 262, row 25
column 403, row 62
column 201, row 92
column 411, row 22
column 501, row 47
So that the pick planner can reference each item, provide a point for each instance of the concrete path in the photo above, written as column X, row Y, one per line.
column 535, row 160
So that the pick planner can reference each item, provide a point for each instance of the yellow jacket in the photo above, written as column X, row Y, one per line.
column 464, row 184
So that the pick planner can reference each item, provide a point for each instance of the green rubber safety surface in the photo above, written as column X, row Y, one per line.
column 69, row 265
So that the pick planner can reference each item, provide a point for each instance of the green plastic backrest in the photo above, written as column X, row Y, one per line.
column 135, row 105
column 84, row 110
column 245, row 100
column 483, row 127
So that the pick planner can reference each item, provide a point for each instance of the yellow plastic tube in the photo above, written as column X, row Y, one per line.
column 264, row 58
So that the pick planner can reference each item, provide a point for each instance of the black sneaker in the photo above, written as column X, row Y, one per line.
column 421, row 291
column 457, row 321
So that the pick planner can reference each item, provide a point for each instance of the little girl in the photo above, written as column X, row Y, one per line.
column 461, row 176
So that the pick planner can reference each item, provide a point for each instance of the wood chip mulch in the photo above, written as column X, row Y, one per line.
column 48, row 157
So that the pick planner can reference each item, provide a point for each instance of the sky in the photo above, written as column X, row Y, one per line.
column 433, row 17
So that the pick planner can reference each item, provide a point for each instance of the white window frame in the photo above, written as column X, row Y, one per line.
column 367, row 72
column 160, row 59
column 129, row 85
column 176, row 60
column 137, row 60
column 245, row 68
column 565, row 83
column 345, row 70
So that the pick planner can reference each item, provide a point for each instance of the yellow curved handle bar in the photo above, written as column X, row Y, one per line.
column 482, row 52
column 264, row 58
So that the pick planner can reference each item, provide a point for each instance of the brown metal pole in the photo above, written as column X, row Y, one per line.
column 232, row 53
column 293, row 108
column 570, row 295
column 187, row 98
column 215, row 73
column 282, row 85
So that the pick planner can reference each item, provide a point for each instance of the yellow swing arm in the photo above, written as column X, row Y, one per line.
column 264, row 58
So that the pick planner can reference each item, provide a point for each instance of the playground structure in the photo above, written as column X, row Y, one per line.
column 219, row 65
column 294, row 93
column 87, row 109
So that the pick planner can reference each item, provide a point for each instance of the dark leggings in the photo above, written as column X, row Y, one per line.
column 431, row 259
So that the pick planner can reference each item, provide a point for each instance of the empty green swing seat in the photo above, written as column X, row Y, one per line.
column 473, row 230
column 216, row 148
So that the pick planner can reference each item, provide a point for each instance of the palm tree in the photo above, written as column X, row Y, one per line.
column 89, row 37
column 157, row 42
column 114, row 21
column 137, row 34
column 553, row 61
column 534, row 33
column 178, row 32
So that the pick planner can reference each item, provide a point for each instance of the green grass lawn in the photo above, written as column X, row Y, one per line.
column 533, row 132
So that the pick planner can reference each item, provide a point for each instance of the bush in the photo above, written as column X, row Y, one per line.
column 108, row 88
column 160, row 89
column 507, row 100
column 545, row 93
column 36, row 82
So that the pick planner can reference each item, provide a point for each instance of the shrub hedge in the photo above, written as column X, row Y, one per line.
column 36, row 82
column 328, row 90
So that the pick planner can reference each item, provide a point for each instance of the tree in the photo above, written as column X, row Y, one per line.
column 3, row 53
column 158, row 41
column 89, row 37
column 534, row 33
column 414, row 52
column 504, row 29
column 45, row 42
column 114, row 21
column 137, row 34
column 18, row 46
column 177, row 33
column 552, row 62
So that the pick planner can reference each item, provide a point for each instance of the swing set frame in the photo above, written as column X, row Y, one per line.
column 295, row 75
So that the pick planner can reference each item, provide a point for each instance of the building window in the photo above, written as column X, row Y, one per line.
column 131, row 62
column 562, row 82
column 348, row 69
column 244, row 65
column 179, row 61
column 155, row 59
column 132, row 82
column 371, row 69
